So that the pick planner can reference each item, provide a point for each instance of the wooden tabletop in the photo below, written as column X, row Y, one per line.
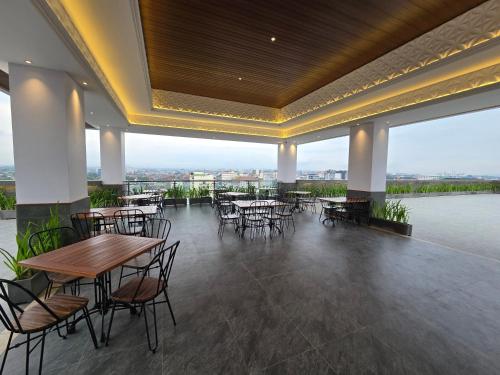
column 135, row 197
column 247, row 204
column 333, row 199
column 343, row 200
column 299, row 192
column 235, row 194
column 108, row 212
column 93, row 257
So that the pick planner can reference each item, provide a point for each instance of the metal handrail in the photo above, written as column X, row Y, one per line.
column 212, row 184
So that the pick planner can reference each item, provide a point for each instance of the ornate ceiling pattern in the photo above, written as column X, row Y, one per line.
column 458, row 37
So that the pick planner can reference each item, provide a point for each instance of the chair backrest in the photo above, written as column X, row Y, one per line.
column 155, row 200
column 325, row 204
column 164, row 261
column 51, row 239
column 259, row 208
column 158, row 228
column 130, row 222
column 9, row 311
column 285, row 207
column 88, row 224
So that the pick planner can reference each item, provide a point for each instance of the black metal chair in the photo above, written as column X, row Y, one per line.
column 39, row 319
column 52, row 239
column 157, row 200
column 308, row 203
column 155, row 228
column 286, row 211
column 274, row 220
column 255, row 218
column 142, row 291
column 130, row 222
column 226, row 217
column 89, row 224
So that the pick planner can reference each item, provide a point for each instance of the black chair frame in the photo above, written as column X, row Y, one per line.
column 46, row 240
column 11, row 323
column 165, row 269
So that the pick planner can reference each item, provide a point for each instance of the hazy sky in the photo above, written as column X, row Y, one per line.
column 463, row 144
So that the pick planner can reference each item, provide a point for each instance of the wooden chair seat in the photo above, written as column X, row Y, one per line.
column 37, row 318
column 139, row 262
column 148, row 290
column 230, row 216
column 59, row 278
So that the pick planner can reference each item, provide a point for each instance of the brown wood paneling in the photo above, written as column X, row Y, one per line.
column 202, row 47
column 92, row 257
column 4, row 81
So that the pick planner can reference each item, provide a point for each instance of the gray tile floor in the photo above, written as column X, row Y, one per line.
column 323, row 300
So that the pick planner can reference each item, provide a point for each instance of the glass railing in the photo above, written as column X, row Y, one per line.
column 200, row 187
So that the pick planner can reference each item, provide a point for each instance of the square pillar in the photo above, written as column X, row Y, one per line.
column 368, row 144
column 48, row 129
column 287, row 166
column 112, row 142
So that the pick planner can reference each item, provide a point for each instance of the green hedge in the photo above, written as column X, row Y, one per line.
column 442, row 187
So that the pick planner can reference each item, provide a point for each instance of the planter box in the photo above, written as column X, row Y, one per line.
column 174, row 202
column 393, row 226
column 36, row 284
column 200, row 200
column 7, row 214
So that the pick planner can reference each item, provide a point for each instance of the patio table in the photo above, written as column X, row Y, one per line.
column 94, row 258
column 245, row 205
column 298, row 194
column 108, row 212
column 135, row 197
column 235, row 194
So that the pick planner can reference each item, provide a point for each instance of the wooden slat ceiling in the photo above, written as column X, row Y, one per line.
column 4, row 81
column 202, row 47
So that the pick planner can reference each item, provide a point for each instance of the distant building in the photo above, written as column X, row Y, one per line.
column 228, row 175
column 197, row 179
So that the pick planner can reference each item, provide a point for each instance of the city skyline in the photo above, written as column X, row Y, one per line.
column 413, row 149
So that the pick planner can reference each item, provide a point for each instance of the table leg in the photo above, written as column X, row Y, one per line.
column 102, row 288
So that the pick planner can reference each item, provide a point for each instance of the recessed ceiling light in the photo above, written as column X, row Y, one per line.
column 107, row 125
column 84, row 83
column 91, row 113
column 27, row 61
column 239, row 78
column 273, row 39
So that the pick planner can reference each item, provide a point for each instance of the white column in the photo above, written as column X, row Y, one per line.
column 287, row 162
column 48, row 130
column 112, row 156
column 368, row 160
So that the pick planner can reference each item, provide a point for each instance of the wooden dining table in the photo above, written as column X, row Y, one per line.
column 109, row 212
column 242, row 206
column 135, row 197
column 94, row 258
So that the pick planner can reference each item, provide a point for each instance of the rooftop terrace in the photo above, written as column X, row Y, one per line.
column 321, row 300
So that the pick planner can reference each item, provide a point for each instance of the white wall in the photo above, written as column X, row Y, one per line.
column 48, row 131
column 112, row 156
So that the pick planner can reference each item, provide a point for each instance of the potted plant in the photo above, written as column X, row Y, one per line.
column 31, row 280
column 7, row 206
column 200, row 195
column 174, row 196
column 104, row 197
column 391, row 215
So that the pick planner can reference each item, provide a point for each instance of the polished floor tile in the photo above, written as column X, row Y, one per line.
column 320, row 300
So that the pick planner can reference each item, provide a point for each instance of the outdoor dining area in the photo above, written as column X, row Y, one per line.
column 76, row 263
column 247, row 213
